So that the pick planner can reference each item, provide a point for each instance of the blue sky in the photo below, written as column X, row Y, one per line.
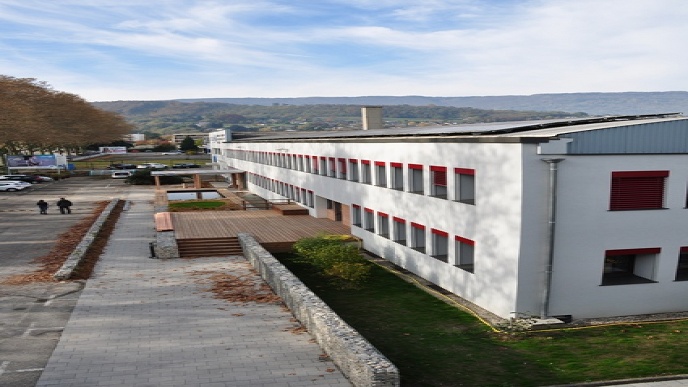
column 106, row 50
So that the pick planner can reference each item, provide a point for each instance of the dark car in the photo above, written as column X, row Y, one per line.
column 121, row 166
column 185, row 165
column 26, row 178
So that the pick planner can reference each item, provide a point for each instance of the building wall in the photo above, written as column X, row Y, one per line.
column 586, row 228
column 493, row 223
column 508, row 222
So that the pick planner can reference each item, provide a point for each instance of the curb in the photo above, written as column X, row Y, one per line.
column 75, row 258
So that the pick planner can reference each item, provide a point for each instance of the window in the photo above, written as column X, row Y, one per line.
column 380, row 174
column 464, row 185
column 323, row 166
column 397, row 174
column 342, row 168
column 307, row 164
column 369, row 219
column 464, row 253
column 399, row 230
column 642, row 190
column 438, row 186
column 418, row 237
column 440, row 243
column 383, row 224
column 303, row 196
column 353, row 169
column 356, row 215
column 311, row 199
column 416, row 179
column 682, row 268
column 315, row 165
column 629, row 266
column 299, row 163
column 365, row 172
column 333, row 167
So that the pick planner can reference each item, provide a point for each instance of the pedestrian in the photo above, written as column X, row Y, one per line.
column 43, row 206
column 64, row 205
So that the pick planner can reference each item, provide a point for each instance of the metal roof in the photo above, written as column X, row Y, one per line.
column 515, row 129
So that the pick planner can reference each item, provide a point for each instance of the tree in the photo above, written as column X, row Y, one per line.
column 188, row 144
column 36, row 118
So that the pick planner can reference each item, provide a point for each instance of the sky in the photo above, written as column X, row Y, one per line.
column 109, row 50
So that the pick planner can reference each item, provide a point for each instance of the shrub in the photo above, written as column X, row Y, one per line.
column 334, row 258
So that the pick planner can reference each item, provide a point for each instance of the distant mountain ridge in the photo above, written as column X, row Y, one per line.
column 623, row 103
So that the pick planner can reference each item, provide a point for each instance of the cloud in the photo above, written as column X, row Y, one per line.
column 123, row 49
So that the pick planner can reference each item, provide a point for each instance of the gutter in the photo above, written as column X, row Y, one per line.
column 552, row 217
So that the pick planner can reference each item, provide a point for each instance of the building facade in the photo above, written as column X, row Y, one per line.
column 584, row 218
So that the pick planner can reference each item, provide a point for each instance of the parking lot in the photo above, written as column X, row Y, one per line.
column 32, row 315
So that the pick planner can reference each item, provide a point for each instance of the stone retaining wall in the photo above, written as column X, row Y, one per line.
column 362, row 363
column 75, row 258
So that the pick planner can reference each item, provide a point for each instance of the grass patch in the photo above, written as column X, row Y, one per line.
column 196, row 205
column 436, row 344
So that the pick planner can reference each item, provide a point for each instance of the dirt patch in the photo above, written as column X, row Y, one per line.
column 243, row 288
column 67, row 242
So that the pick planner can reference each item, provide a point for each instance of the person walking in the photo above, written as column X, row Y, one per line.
column 43, row 206
column 64, row 205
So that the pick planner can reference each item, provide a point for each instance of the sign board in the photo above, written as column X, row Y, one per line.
column 117, row 150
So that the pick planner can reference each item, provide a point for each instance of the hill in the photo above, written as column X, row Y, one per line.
column 166, row 117
column 627, row 103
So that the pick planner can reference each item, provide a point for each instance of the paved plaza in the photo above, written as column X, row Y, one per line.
column 149, row 322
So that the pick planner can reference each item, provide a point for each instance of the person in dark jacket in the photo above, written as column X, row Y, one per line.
column 64, row 205
column 43, row 206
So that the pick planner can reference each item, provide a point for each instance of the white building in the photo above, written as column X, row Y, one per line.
column 585, row 218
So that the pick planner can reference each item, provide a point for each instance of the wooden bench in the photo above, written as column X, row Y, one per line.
column 163, row 221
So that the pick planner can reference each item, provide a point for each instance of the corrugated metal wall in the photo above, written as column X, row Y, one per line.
column 658, row 137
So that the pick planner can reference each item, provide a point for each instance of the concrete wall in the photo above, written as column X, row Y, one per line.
column 362, row 364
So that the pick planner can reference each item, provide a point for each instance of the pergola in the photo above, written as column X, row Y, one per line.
column 236, row 175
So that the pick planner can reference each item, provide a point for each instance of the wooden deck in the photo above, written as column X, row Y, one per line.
column 268, row 227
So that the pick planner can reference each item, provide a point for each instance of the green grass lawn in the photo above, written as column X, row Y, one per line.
column 196, row 205
column 435, row 344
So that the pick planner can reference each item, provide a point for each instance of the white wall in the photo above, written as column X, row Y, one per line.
column 586, row 228
column 493, row 223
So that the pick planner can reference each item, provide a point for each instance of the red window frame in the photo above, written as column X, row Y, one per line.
column 439, row 175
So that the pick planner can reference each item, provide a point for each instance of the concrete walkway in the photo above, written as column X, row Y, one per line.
column 149, row 322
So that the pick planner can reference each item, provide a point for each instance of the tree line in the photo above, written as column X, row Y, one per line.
column 35, row 118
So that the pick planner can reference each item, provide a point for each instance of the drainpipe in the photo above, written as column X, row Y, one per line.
column 552, row 217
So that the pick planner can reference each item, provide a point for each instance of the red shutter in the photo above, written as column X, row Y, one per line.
column 464, row 240
column 439, row 232
column 637, row 190
column 416, row 166
column 439, row 175
column 648, row 250
column 418, row 226
column 400, row 220
column 342, row 165
column 464, row 171
column 396, row 165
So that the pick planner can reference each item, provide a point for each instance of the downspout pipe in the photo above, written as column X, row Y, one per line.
column 552, row 220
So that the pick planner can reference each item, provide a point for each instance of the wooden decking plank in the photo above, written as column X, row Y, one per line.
column 265, row 226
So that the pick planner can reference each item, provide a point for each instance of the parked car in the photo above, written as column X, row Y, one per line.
column 151, row 166
column 121, row 174
column 173, row 153
column 26, row 178
column 13, row 185
column 121, row 166
column 185, row 165
column 42, row 178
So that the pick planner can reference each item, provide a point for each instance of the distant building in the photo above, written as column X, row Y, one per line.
column 582, row 218
column 178, row 138
column 135, row 137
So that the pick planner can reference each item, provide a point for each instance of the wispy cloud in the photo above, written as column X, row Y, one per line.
column 163, row 49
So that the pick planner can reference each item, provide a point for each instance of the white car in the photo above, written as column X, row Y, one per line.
column 151, row 166
column 13, row 185
column 121, row 174
column 173, row 153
